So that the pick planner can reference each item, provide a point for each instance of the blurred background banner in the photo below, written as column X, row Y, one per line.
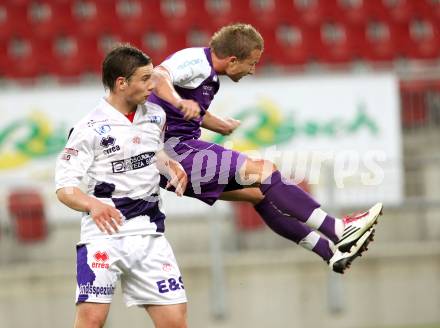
column 345, row 124
column 342, row 126
column 33, row 131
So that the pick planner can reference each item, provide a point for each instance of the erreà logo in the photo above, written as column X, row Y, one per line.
column 107, row 141
column 100, row 258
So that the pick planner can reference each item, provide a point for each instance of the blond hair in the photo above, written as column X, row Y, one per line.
column 237, row 40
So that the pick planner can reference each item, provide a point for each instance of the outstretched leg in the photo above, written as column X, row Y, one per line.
column 289, row 199
column 292, row 201
column 286, row 227
column 300, row 233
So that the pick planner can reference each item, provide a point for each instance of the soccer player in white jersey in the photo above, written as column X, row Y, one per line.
column 118, row 147
column 192, row 74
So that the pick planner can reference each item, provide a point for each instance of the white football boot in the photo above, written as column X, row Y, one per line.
column 355, row 225
column 340, row 261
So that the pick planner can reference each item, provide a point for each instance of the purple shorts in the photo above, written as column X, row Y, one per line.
column 211, row 168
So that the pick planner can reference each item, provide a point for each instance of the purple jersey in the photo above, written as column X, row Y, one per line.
column 193, row 77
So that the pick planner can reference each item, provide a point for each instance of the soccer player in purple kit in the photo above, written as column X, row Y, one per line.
column 185, row 84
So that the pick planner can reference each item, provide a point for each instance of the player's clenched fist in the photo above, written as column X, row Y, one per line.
column 232, row 125
column 189, row 108
column 106, row 217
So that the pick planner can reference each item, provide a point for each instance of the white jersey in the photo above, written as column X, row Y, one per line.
column 118, row 159
column 189, row 68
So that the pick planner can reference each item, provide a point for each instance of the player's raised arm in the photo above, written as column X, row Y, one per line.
column 224, row 126
column 164, row 89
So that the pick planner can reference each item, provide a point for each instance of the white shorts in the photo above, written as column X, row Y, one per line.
column 145, row 264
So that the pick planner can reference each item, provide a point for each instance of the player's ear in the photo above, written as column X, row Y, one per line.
column 232, row 61
column 120, row 83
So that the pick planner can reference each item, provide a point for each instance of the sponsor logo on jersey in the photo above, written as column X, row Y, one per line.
column 154, row 119
column 107, row 141
column 207, row 90
column 132, row 163
column 69, row 152
column 101, row 259
column 190, row 63
column 90, row 289
column 136, row 140
column 168, row 285
column 167, row 267
column 103, row 129
column 111, row 150
column 91, row 123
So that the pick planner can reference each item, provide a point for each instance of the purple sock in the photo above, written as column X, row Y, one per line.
column 290, row 200
column 328, row 228
column 291, row 228
column 285, row 226
column 322, row 248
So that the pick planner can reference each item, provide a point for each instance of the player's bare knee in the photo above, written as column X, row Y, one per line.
column 176, row 323
column 89, row 317
column 89, row 321
column 262, row 167
column 253, row 195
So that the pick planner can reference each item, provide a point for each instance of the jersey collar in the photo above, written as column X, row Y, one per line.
column 115, row 114
column 209, row 58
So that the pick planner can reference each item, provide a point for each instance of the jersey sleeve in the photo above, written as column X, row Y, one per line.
column 187, row 68
column 74, row 161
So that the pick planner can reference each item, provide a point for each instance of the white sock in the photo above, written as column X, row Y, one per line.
column 316, row 218
column 339, row 227
column 310, row 241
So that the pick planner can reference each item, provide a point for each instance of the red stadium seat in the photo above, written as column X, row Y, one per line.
column 12, row 20
column 198, row 37
column 94, row 17
column 159, row 43
column 136, row 16
column 6, row 22
column 3, row 59
column 352, row 12
column 293, row 44
column 425, row 8
column 422, row 39
column 246, row 218
column 180, row 14
column 268, row 13
column 23, row 57
column 399, row 10
column 381, row 41
column 310, row 12
column 26, row 208
column 218, row 13
column 335, row 43
column 42, row 18
column 73, row 55
column 391, row 10
column 435, row 9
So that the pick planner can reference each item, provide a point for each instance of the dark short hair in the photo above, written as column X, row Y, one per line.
column 236, row 40
column 122, row 61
